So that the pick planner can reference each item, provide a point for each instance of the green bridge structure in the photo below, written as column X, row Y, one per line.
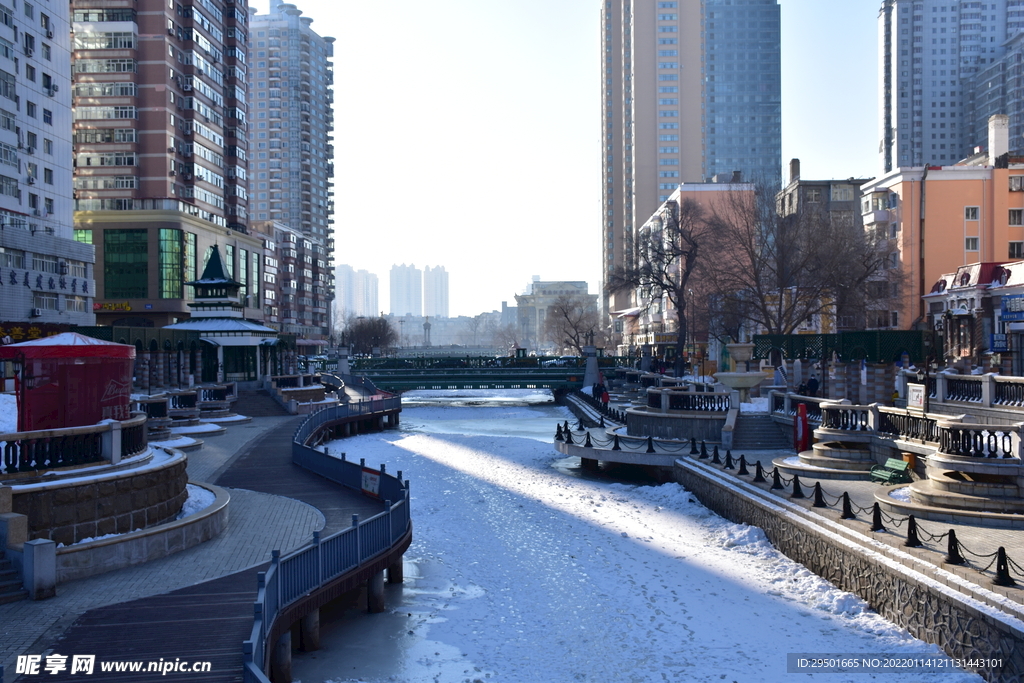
column 400, row 374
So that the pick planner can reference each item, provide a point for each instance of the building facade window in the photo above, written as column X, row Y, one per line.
column 126, row 264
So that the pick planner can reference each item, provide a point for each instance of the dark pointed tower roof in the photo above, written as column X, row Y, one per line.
column 214, row 273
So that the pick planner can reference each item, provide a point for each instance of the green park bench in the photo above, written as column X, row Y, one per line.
column 892, row 472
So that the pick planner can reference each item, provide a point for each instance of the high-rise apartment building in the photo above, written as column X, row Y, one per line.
column 160, row 152
column 944, row 72
column 435, row 292
column 406, row 290
column 291, row 121
column 356, row 292
column 691, row 89
column 45, row 276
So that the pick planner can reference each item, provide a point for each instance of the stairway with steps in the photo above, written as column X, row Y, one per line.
column 11, row 589
column 759, row 432
column 258, row 404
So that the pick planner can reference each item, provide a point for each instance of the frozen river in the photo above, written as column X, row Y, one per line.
column 521, row 573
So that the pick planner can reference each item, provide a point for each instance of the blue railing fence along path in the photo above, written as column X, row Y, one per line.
column 301, row 572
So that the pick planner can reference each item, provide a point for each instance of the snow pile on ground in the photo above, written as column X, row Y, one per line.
column 756, row 405
column 519, row 573
column 93, row 538
column 8, row 413
column 180, row 442
column 198, row 499
column 901, row 494
column 201, row 428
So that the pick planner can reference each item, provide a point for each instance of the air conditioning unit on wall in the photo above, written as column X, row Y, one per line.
column 36, row 312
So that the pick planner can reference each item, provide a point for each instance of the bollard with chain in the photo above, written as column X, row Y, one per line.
column 703, row 451
column 819, row 497
column 587, row 443
column 758, row 472
column 728, row 460
column 776, row 479
column 693, row 445
column 558, row 433
column 953, row 555
column 616, row 446
column 650, row 444
column 1002, row 569
column 797, row 491
column 714, row 458
column 876, row 518
column 568, row 437
column 912, row 540
column 847, row 508
column 742, row 471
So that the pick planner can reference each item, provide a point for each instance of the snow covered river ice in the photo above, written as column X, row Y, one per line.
column 519, row 572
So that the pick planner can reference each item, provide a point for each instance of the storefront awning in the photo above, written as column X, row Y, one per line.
column 214, row 342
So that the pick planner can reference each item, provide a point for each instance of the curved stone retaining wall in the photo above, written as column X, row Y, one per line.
column 69, row 510
column 108, row 554
column 962, row 627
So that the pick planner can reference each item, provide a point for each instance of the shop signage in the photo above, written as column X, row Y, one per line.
column 999, row 343
column 1012, row 307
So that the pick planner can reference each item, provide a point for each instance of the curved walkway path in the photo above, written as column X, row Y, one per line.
column 197, row 604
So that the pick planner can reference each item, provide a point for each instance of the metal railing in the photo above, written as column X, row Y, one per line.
column 307, row 569
column 787, row 405
column 70, row 447
column 979, row 441
column 963, row 389
column 908, row 426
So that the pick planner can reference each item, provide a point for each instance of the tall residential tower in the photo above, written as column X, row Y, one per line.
column 160, row 153
column 290, row 134
column 691, row 89
column 942, row 77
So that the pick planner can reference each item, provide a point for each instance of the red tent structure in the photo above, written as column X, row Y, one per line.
column 70, row 380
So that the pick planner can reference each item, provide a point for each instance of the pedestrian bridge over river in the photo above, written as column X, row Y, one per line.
column 438, row 378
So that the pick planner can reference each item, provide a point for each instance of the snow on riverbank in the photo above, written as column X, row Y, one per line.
column 521, row 573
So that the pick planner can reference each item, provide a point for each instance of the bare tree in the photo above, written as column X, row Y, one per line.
column 505, row 337
column 662, row 260
column 570, row 321
column 365, row 334
column 773, row 272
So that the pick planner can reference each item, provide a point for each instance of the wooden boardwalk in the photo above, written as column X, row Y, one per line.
column 209, row 621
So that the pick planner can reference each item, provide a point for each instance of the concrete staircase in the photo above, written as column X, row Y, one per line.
column 258, row 404
column 759, row 432
column 11, row 589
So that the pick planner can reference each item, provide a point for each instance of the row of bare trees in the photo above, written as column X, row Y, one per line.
column 748, row 266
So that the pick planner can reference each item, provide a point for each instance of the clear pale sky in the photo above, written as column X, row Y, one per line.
column 467, row 132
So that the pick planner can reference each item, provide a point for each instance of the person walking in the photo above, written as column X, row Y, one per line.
column 812, row 386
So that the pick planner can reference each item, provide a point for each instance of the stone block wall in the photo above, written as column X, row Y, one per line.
column 928, row 613
column 114, row 504
column 700, row 426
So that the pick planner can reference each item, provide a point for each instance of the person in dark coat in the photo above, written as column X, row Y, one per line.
column 812, row 386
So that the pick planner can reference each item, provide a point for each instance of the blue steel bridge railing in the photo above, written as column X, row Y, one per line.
column 297, row 574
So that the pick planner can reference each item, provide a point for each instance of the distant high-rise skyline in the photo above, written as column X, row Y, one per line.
column 406, row 290
column 356, row 292
column 691, row 89
column 435, row 292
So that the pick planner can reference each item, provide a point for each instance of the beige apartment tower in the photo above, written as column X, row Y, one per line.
column 690, row 90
